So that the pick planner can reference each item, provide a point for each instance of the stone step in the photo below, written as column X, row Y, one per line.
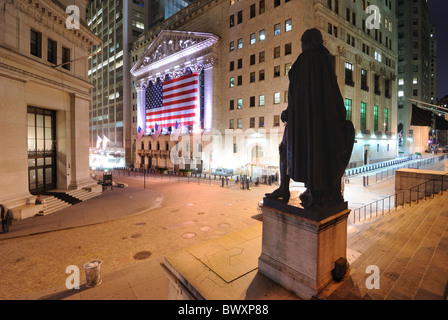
column 53, row 204
column 372, row 232
column 393, row 264
column 409, row 253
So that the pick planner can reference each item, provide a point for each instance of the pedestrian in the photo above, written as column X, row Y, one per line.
column 39, row 199
column 4, row 218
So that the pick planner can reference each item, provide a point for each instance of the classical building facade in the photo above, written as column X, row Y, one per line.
column 44, row 97
column 242, row 52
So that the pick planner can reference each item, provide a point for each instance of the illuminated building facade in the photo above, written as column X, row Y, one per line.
column 242, row 52
column 44, row 96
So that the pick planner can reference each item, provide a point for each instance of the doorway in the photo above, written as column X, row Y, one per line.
column 366, row 155
column 41, row 150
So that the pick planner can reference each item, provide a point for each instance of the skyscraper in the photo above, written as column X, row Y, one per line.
column 117, row 23
column 160, row 10
column 414, row 70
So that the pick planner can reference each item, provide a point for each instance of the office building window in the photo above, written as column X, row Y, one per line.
column 277, row 121
column 52, row 49
column 261, row 100
column 66, row 58
column 277, row 29
column 36, row 43
column 363, row 116
column 386, row 119
column 288, row 25
column 276, row 71
column 348, row 108
column 240, row 104
column 252, row 123
column 276, row 97
column 375, row 118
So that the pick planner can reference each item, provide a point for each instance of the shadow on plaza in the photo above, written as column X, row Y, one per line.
column 64, row 294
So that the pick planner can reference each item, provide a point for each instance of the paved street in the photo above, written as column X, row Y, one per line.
column 189, row 214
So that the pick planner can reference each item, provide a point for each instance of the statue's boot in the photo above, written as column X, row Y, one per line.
column 305, row 197
column 280, row 195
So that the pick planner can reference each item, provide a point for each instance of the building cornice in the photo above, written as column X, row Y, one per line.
column 52, row 17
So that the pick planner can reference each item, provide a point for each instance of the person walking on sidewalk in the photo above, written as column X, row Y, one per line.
column 4, row 218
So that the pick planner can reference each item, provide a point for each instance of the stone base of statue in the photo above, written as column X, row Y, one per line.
column 300, row 247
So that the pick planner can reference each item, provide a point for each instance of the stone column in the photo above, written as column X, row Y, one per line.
column 141, row 106
column 78, row 160
column 208, row 94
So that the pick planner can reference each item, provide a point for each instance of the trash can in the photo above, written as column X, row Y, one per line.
column 93, row 273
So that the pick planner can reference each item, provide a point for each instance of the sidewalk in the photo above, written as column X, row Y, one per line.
column 110, row 205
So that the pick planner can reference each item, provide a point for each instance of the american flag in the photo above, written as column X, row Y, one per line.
column 173, row 101
column 177, row 130
column 157, row 132
column 140, row 134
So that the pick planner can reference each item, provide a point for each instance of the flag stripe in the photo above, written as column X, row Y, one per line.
column 189, row 115
column 180, row 86
column 190, row 99
column 155, row 113
column 178, row 94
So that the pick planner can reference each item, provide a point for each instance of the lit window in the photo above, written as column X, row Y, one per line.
column 277, row 98
column 277, row 29
column 288, row 25
column 262, row 35
column 252, row 38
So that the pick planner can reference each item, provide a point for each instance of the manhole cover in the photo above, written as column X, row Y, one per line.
column 142, row 255
column 223, row 225
column 205, row 228
column 188, row 235
column 137, row 235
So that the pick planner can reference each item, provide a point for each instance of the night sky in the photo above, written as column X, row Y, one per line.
column 439, row 10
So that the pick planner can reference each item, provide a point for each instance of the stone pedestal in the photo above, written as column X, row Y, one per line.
column 300, row 248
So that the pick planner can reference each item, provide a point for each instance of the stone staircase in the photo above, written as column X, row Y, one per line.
column 57, row 200
column 410, row 249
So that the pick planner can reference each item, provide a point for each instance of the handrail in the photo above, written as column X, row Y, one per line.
column 396, row 195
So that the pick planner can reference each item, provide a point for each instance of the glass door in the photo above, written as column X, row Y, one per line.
column 41, row 150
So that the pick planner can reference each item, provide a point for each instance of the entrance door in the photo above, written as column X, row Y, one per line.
column 41, row 150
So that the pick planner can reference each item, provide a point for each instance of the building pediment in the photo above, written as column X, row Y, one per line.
column 171, row 46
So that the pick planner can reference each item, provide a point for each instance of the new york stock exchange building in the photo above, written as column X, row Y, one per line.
column 210, row 84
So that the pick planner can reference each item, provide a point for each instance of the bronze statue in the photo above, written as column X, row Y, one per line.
column 318, row 140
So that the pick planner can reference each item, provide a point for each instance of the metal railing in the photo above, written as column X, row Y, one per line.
column 400, row 199
column 225, row 181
